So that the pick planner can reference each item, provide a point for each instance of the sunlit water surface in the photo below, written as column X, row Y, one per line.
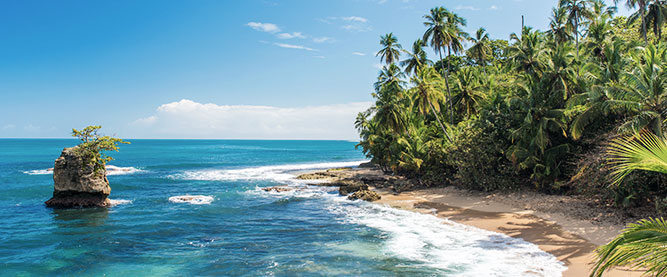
column 237, row 228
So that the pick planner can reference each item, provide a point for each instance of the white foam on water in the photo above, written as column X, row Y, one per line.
column 427, row 240
column 115, row 202
column 111, row 170
column 192, row 199
column 278, row 173
column 39, row 172
column 117, row 170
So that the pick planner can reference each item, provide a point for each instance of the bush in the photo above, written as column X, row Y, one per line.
column 478, row 156
column 93, row 145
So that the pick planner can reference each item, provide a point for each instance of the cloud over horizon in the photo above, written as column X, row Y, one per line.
column 190, row 119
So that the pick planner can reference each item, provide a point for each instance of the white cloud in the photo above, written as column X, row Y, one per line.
column 355, row 18
column 189, row 119
column 350, row 23
column 293, row 46
column 291, row 35
column 470, row 8
column 320, row 57
column 358, row 53
column 357, row 27
column 264, row 27
column 323, row 39
column 9, row 126
column 494, row 8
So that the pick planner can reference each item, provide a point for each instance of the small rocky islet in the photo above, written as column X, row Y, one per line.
column 77, row 183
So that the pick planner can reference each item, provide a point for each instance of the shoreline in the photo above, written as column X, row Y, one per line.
column 571, row 240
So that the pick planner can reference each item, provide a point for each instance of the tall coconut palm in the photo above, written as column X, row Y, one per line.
column 438, row 35
column 559, row 30
column 640, row 13
column 444, row 31
column 480, row 49
column 577, row 11
column 390, row 51
column 417, row 59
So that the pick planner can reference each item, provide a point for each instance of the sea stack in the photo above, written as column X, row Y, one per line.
column 78, row 183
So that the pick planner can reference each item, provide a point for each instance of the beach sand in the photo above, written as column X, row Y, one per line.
column 555, row 223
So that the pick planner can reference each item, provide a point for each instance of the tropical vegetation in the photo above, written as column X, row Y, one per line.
column 531, row 112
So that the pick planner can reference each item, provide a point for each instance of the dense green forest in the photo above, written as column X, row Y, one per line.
column 537, row 111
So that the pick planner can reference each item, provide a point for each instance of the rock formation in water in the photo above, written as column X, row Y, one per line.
column 76, row 182
column 366, row 195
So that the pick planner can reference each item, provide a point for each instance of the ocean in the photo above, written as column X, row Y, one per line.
column 238, row 229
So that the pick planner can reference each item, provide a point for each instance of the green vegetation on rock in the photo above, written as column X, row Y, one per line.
column 93, row 146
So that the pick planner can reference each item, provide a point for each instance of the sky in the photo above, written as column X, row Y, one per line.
column 208, row 69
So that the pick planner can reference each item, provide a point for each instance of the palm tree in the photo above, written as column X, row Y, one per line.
column 558, row 27
column 599, row 8
column 645, row 91
column 427, row 85
column 389, row 82
column 640, row 13
column 391, row 48
column 576, row 12
column 480, row 49
column 599, row 30
column 657, row 16
column 526, row 51
column 418, row 58
column 559, row 71
column 468, row 90
column 444, row 31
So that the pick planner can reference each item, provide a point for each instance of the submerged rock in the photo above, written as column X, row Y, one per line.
column 192, row 199
column 278, row 189
column 77, row 183
column 366, row 195
column 347, row 187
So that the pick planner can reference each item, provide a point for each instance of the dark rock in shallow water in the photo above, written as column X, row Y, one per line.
column 347, row 187
column 278, row 189
column 366, row 195
column 76, row 183
column 317, row 176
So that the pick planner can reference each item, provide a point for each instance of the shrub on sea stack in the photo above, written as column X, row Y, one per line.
column 79, row 175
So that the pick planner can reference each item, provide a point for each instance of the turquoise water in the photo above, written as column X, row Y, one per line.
column 243, row 230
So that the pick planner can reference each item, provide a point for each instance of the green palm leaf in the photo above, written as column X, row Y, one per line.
column 640, row 245
column 644, row 151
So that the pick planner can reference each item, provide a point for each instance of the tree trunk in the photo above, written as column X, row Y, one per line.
column 449, row 91
column 439, row 122
column 576, row 34
column 643, row 15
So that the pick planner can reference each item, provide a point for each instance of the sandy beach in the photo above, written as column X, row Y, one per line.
column 556, row 224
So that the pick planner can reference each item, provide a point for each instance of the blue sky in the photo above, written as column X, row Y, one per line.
column 210, row 69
